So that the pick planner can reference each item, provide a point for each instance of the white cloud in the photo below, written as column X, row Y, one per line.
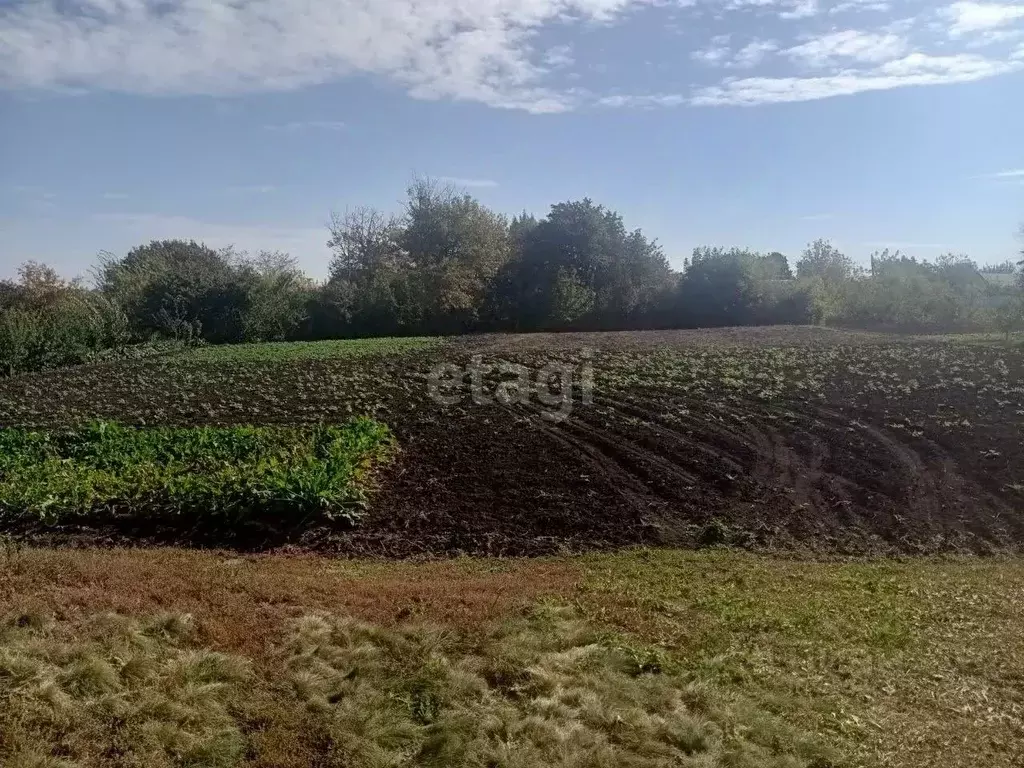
column 913, row 70
column 849, row 44
column 476, row 50
column 1014, row 174
column 801, row 9
column 818, row 217
column 860, row 5
column 968, row 17
column 785, row 9
column 993, row 37
column 470, row 183
column 559, row 56
column 643, row 101
column 712, row 55
column 486, row 51
column 753, row 53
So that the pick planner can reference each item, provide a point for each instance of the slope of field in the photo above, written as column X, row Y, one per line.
column 795, row 438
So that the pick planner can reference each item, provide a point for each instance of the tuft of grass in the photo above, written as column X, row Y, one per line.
column 308, row 350
column 549, row 689
column 226, row 473
column 124, row 692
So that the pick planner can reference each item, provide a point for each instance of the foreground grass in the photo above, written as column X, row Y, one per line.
column 306, row 350
column 644, row 658
column 230, row 473
column 120, row 692
column 903, row 663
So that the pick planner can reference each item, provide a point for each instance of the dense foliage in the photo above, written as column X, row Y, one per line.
column 228, row 474
column 446, row 264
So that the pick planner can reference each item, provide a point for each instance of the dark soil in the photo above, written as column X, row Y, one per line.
column 869, row 445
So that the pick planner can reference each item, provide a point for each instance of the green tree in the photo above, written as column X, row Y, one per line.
column 823, row 260
column 277, row 296
column 582, row 249
column 776, row 267
column 457, row 247
column 177, row 288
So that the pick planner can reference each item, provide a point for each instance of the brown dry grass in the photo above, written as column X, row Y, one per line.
column 242, row 604
column 245, row 606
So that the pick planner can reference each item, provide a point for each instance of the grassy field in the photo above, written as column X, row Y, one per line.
column 649, row 658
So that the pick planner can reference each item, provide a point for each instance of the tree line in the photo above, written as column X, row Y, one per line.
column 447, row 264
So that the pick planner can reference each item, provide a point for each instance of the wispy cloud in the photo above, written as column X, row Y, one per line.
column 477, row 51
column 915, row 69
column 851, row 45
column 642, row 100
column 818, row 217
column 494, row 52
column 802, row 9
column 1014, row 174
column 114, row 196
column 860, row 6
column 468, row 183
column 753, row 53
column 967, row 17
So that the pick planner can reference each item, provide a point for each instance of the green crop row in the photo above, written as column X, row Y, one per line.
column 288, row 474
column 308, row 350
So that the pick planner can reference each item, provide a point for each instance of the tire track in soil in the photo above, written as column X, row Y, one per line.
column 822, row 476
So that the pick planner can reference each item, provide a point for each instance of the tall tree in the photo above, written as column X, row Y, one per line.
column 370, row 288
column 581, row 249
column 823, row 260
column 177, row 287
column 457, row 246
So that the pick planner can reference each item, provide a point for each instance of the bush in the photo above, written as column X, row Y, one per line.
column 74, row 329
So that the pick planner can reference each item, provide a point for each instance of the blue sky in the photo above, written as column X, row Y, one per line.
column 761, row 123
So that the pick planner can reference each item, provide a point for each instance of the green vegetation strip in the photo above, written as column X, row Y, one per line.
column 232, row 473
column 308, row 350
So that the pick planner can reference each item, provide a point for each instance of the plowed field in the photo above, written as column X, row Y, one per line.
column 799, row 439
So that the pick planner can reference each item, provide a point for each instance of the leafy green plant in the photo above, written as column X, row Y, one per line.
column 289, row 474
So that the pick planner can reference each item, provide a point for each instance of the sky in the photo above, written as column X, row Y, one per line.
column 752, row 123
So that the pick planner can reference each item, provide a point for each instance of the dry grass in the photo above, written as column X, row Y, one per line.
column 545, row 690
column 242, row 604
column 758, row 661
column 116, row 691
